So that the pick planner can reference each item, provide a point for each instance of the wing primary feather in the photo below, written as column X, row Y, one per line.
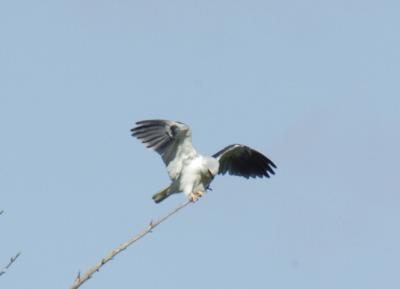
column 164, row 136
column 244, row 161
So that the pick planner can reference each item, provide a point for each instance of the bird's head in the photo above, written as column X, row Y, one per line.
column 181, row 129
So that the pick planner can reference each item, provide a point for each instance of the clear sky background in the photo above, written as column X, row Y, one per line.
column 312, row 84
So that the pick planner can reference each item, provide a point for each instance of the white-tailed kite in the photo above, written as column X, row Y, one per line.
column 191, row 172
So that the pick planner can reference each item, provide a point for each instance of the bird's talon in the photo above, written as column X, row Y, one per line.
column 195, row 196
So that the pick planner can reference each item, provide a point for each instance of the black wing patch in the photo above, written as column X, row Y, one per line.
column 241, row 160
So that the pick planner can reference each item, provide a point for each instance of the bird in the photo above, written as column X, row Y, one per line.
column 189, row 171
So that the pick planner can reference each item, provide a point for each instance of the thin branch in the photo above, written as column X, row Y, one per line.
column 12, row 260
column 80, row 279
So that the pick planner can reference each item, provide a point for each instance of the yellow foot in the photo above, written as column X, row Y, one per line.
column 195, row 196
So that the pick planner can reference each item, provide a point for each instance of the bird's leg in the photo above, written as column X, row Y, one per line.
column 195, row 196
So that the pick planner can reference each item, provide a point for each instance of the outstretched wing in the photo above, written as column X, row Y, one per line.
column 164, row 136
column 241, row 160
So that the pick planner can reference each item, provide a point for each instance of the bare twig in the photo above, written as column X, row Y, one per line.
column 12, row 260
column 80, row 279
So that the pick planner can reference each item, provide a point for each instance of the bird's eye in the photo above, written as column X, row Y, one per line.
column 174, row 130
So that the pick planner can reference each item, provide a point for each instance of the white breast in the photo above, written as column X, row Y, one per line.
column 194, row 176
column 184, row 153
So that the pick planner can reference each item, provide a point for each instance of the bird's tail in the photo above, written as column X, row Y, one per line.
column 162, row 195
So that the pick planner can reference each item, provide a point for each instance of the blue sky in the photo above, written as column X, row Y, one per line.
column 312, row 84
